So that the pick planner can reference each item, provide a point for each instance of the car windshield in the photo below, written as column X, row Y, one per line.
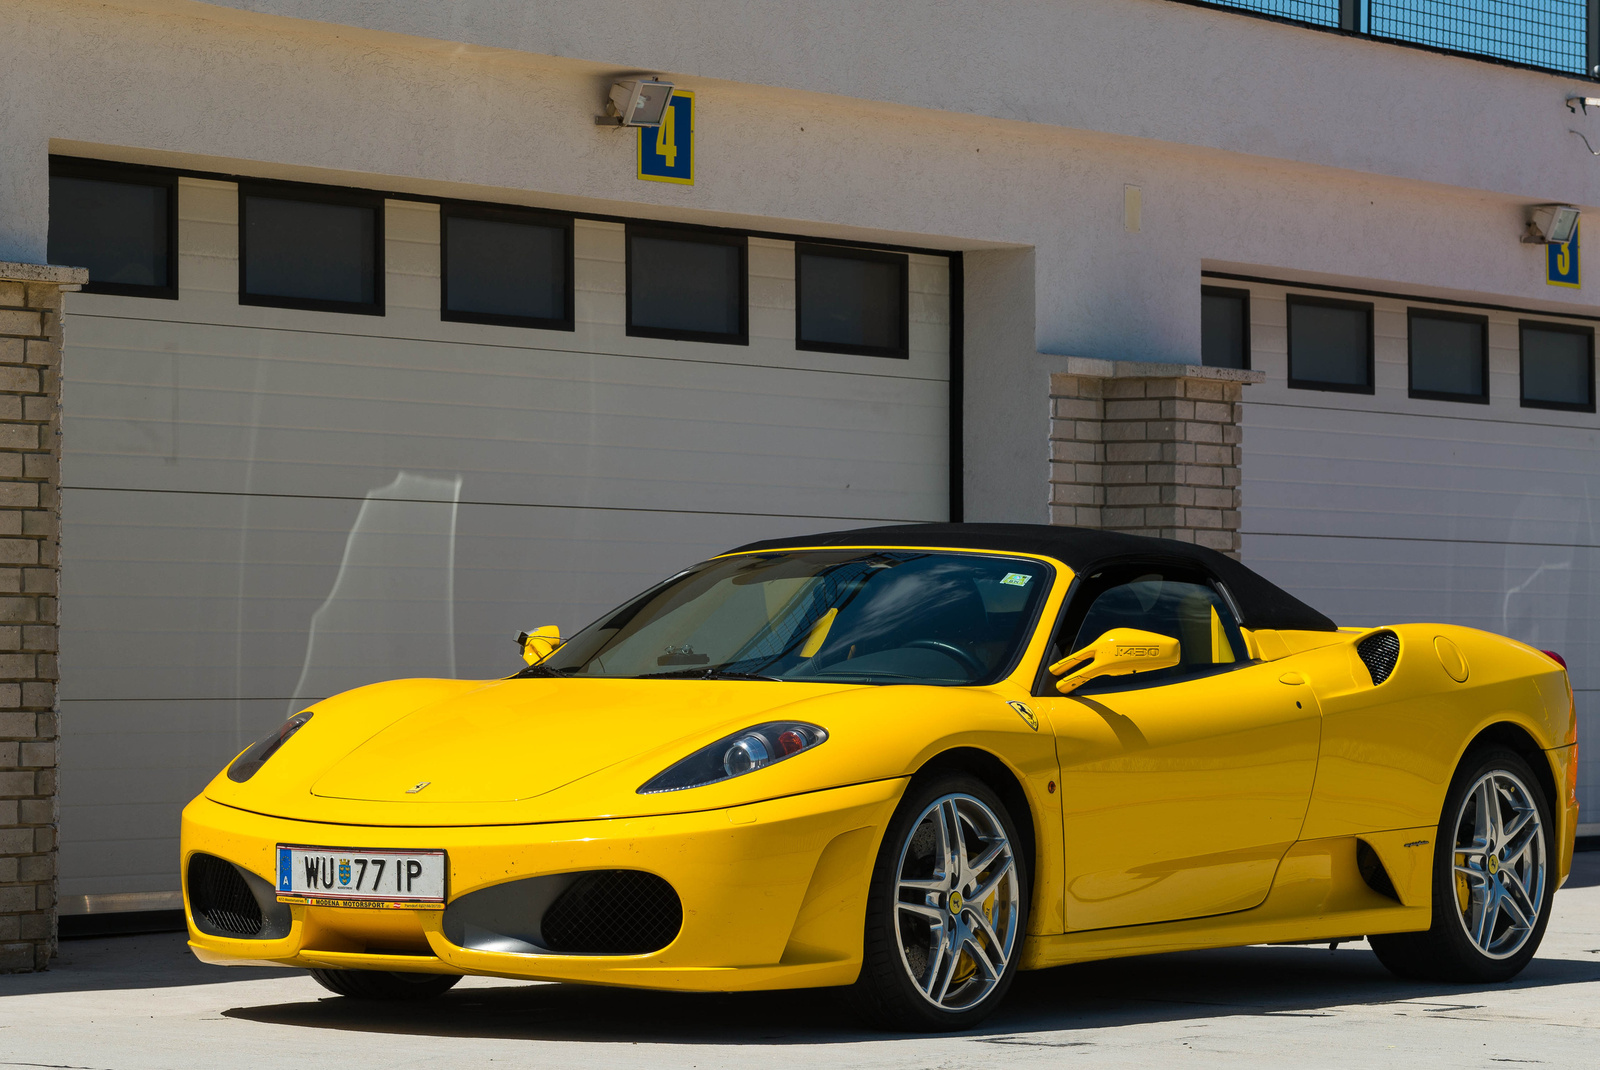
column 862, row 616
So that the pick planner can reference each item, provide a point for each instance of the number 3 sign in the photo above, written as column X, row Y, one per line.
column 666, row 152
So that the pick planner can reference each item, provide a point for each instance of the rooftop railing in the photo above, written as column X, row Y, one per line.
column 1552, row 35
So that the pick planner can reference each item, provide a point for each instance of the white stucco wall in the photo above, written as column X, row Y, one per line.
column 1006, row 126
column 1140, row 68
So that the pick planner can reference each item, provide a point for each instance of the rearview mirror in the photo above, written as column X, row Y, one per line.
column 539, row 643
column 1116, row 653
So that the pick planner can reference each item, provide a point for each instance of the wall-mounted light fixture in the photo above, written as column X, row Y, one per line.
column 636, row 102
column 1551, row 224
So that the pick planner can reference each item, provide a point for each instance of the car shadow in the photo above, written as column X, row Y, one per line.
column 128, row 961
column 1297, row 982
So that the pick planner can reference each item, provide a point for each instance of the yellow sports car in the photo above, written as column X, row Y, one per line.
column 912, row 760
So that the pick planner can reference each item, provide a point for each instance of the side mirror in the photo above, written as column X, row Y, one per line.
column 1116, row 653
column 539, row 643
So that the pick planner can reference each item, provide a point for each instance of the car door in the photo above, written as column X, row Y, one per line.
column 1181, row 788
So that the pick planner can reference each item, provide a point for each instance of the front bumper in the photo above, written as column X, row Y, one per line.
column 774, row 893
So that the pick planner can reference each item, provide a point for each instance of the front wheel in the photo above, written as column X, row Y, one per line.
column 946, row 911
column 385, row 984
column 1492, row 878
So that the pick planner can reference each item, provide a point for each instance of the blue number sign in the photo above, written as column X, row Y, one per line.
column 666, row 152
column 1562, row 266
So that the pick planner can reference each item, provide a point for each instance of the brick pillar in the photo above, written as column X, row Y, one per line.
column 30, row 541
column 1150, row 449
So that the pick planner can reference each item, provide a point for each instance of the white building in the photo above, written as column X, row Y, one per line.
column 406, row 356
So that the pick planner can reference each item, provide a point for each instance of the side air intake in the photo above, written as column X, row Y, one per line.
column 1380, row 651
column 225, row 900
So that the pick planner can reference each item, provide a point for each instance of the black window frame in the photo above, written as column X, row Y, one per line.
column 705, row 235
column 843, row 252
column 314, row 194
column 133, row 174
column 1522, row 362
column 1083, row 592
column 1244, row 296
column 1483, row 355
column 1293, row 300
column 562, row 221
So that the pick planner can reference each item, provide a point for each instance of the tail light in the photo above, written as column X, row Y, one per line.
column 1553, row 656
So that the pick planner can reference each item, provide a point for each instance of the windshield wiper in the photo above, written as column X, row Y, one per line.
column 827, row 676
column 540, row 669
column 704, row 674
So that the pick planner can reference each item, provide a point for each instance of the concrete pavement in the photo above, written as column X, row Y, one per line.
column 137, row 1002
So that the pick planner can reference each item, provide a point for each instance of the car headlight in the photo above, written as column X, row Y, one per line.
column 743, row 752
column 249, row 763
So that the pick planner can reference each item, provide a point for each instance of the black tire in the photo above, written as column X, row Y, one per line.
column 1446, row 951
column 886, row 994
column 385, row 984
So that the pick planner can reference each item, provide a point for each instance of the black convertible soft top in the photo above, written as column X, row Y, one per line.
column 1261, row 603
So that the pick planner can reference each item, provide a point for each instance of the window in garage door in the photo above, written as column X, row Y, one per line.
column 505, row 266
column 1557, row 366
column 311, row 247
column 1224, row 327
column 687, row 284
column 850, row 301
column 1448, row 355
column 119, row 222
column 1330, row 344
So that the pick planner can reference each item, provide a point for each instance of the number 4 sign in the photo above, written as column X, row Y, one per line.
column 666, row 152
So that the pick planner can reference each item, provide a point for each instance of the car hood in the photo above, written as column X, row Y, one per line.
column 519, row 739
column 454, row 752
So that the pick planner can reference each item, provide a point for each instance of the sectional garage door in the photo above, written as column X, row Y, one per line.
column 1386, row 508
column 264, row 506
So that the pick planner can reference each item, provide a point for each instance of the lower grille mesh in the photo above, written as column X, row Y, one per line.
column 220, row 895
column 1380, row 652
column 613, row 912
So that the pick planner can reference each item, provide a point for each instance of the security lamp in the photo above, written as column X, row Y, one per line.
column 636, row 102
column 1551, row 224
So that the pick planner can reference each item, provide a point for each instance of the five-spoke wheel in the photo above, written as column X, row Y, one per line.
column 946, row 911
column 1499, row 864
column 1492, row 886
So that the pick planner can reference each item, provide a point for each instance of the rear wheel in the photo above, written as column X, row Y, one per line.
column 946, row 911
column 385, row 984
column 1492, row 877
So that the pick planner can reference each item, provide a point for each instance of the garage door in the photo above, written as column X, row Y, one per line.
column 1387, row 508
column 263, row 506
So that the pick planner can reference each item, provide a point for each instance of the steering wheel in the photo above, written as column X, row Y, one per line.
column 965, row 658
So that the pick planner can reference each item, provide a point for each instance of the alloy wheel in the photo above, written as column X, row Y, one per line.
column 957, row 902
column 1499, row 864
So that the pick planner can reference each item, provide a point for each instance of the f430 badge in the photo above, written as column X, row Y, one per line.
column 1026, row 714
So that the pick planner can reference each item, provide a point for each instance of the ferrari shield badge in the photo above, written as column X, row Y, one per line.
column 1026, row 714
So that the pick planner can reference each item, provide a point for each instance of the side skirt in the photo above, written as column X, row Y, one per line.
column 1318, row 894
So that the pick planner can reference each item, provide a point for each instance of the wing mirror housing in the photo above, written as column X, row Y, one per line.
column 539, row 643
column 1116, row 653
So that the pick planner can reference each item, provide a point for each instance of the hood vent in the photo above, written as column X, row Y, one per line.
column 1380, row 651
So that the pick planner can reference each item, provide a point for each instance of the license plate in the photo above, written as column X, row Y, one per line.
column 347, row 877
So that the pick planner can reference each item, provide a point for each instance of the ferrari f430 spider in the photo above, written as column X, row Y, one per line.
column 912, row 760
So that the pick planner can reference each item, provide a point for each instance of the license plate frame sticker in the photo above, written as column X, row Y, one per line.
column 359, row 877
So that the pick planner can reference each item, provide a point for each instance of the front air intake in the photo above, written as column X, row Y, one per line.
column 225, row 900
column 591, row 912
column 1379, row 651
column 613, row 912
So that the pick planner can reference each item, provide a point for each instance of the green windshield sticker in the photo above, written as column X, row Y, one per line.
column 1016, row 579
